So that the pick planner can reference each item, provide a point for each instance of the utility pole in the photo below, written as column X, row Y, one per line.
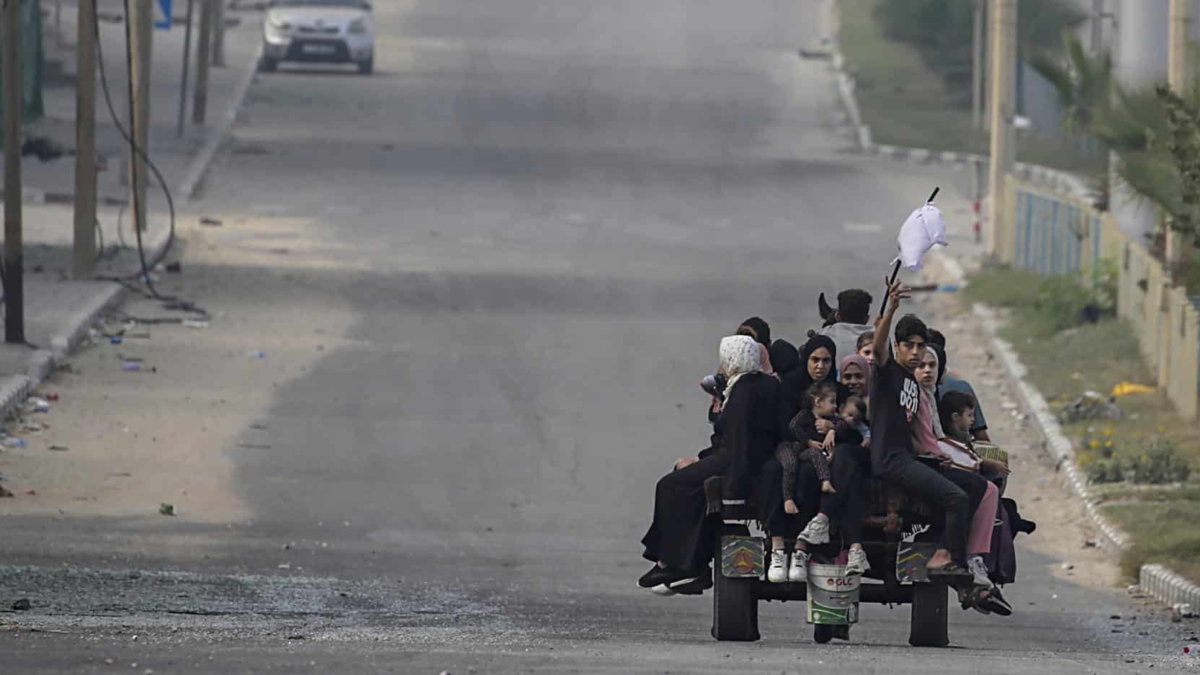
column 140, row 32
column 1097, row 45
column 978, row 45
column 1177, row 79
column 14, row 102
column 218, row 55
column 1004, row 36
column 84, row 253
column 187, row 56
column 203, row 57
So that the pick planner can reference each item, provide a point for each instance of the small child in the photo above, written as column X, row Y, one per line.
column 866, row 346
column 957, row 413
column 814, row 446
column 854, row 412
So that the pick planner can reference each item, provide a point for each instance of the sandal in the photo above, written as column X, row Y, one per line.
column 987, row 601
column 951, row 571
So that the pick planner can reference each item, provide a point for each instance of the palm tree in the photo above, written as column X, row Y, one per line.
column 1085, row 91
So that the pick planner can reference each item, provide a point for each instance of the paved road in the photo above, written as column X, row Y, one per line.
column 539, row 219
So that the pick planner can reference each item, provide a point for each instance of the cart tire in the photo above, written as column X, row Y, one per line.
column 822, row 633
column 735, row 601
column 928, row 625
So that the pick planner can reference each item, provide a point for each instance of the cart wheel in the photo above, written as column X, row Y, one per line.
column 735, row 601
column 927, row 626
column 822, row 633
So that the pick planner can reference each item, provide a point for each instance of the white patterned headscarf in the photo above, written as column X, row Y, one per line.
column 739, row 355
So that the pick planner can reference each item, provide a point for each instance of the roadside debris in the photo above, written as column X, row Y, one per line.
column 39, row 405
column 15, row 442
column 22, row 605
column 174, row 267
column 193, row 323
column 166, row 509
column 258, row 354
column 131, row 366
column 52, row 397
column 210, row 222
column 1091, row 406
column 1127, row 388
column 59, row 448
column 5, row 493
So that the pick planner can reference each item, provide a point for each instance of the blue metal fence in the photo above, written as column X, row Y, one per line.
column 1055, row 236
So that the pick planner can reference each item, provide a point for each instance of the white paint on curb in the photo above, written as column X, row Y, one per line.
column 62, row 343
column 13, row 391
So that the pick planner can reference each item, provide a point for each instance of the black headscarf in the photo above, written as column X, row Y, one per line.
column 784, row 358
column 798, row 381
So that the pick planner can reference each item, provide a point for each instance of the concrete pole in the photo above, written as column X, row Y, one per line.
column 141, row 30
column 187, row 56
column 1003, row 19
column 14, row 103
column 1177, row 79
column 978, row 46
column 218, row 55
column 84, row 251
column 203, row 57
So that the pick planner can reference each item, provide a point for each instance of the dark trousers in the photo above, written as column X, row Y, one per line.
column 921, row 480
column 846, row 508
column 770, row 500
column 681, row 535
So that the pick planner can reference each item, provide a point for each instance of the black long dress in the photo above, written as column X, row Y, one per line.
column 681, row 535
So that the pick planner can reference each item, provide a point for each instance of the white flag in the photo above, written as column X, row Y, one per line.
column 924, row 228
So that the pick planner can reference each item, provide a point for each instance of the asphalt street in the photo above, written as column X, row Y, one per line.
column 537, row 220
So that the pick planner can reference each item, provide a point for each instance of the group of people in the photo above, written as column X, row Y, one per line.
column 804, row 431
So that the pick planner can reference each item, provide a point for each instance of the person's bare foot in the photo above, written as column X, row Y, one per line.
column 827, row 487
column 940, row 558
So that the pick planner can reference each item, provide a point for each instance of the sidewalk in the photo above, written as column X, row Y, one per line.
column 58, row 311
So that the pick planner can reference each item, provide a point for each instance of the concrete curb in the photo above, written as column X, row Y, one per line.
column 208, row 152
column 1169, row 587
column 14, row 389
column 1158, row 581
column 62, row 343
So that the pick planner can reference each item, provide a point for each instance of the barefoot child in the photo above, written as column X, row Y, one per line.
column 821, row 403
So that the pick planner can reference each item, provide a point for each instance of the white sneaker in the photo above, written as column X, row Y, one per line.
column 817, row 530
column 777, row 573
column 856, row 562
column 798, row 571
column 975, row 564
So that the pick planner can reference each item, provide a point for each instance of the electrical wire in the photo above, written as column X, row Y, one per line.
column 136, row 151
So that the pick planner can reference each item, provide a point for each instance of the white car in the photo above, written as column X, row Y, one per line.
column 323, row 31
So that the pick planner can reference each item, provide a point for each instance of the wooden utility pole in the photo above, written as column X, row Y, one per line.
column 140, row 32
column 14, row 103
column 1003, row 19
column 84, row 254
column 218, row 55
column 203, row 58
column 187, row 55
column 1177, row 79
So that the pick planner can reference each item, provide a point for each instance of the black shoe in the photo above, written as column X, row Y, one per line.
column 995, row 602
column 696, row 586
column 657, row 575
column 841, row 632
column 662, row 580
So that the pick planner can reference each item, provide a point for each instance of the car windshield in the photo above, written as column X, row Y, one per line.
column 321, row 3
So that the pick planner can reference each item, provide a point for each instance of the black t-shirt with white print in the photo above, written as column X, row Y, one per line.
column 894, row 400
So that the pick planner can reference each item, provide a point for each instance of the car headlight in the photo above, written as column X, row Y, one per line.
column 358, row 26
column 280, row 26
